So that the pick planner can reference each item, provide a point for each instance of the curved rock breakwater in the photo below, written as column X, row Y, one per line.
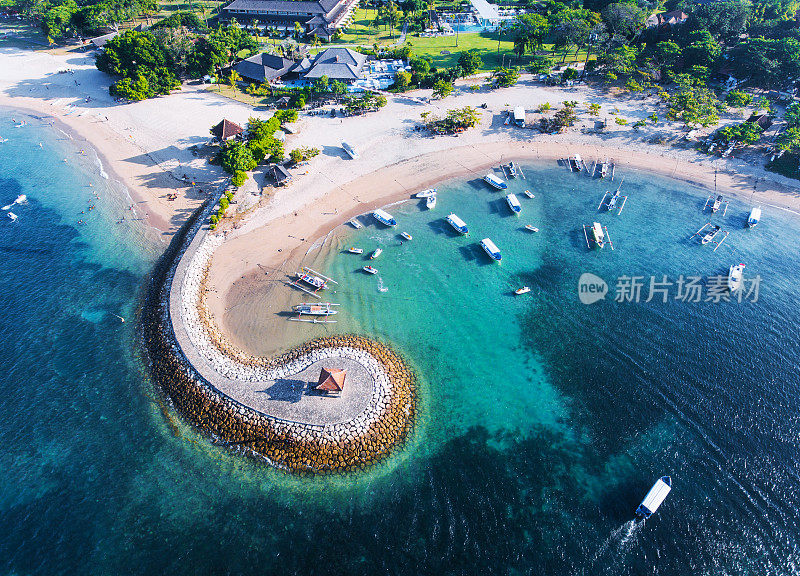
column 300, row 447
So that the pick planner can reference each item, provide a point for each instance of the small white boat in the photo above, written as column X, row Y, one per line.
column 426, row 193
column 604, row 169
column 495, row 182
column 354, row 250
column 3, row 140
column 313, row 281
column 369, row 270
column 655, row 497
column 12, row 216
column 717, row 203
column 458, row 224
column 531, row 227
column 375, row 254
column 384, row 218
column 430, row 202
column 513, row 203
column 492, row 250
column 510, row 169
column 735, row 277
column 755, row 216
column 20, row 199
column 350, row 150
column 576, row 163
column 355, row 224
column 529, row 194
column 523, row 290
column 406, row 235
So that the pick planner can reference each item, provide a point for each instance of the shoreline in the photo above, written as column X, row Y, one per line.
column 287, row 238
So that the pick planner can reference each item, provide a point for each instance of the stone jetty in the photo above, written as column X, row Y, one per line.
column 207, row 379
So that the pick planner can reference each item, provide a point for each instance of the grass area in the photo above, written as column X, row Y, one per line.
column 203, row 8
column 360, row 30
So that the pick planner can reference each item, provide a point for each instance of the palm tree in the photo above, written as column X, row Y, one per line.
column 298, row 30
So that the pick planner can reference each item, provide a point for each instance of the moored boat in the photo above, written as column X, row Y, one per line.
column 316, row 309
column 369, row 270
column 457, row 223
column 375, row 254
column 495, row 182
column 612, row 202
column 655, row 497
column 599, row 235
column 531, row 227
column 712, row 232
column 355, row 224
column 12, row 216
column 510, row 169
column 425, row 193
column 755, row 216
column 313, row 281
column 406, row 235
column 354, row 250
column 523, row 290
column 492, row 250
column 384, row 217
column 430, row 202
column 717, row 203
column 350, row 150
column 735, row 276
column 513, row 203
column 529, row 194
column 604, row 169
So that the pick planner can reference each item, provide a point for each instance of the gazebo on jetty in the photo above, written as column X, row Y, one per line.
column 331, row 380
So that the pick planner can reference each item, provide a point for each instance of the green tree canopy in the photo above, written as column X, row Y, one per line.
column 529, row 32
column 470, row 61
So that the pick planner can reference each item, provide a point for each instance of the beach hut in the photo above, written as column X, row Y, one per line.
column 279, row 175
column 331, row 380
column 226, row 130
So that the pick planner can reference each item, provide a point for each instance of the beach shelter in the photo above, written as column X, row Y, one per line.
column 226, row 130
column 331, row 380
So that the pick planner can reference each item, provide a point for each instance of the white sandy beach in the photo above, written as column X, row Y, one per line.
column 146, row 145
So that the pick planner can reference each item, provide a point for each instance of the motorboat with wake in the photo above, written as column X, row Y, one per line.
column 369, row 270
column 654, row 497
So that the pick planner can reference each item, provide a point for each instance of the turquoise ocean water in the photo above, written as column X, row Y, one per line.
column 543, row 423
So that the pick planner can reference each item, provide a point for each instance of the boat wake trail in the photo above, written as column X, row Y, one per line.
column 621, row 541
column 381, row 286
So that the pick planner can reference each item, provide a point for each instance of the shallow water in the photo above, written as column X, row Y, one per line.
column 544, row 420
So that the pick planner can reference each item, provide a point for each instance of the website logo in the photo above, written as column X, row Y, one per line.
column 591, row 288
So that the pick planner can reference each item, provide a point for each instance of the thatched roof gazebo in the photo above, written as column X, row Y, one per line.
column 226, row 130
column 331, row 380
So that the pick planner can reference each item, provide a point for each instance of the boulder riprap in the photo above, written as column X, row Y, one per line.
column 179, row 336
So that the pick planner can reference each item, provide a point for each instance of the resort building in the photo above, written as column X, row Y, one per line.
column 667, row 19
column 337, row 64
column 264, row 67
column 319, row 18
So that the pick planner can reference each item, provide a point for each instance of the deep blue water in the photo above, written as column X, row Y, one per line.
column 512, row 474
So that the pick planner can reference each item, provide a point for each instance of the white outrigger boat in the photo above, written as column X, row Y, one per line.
column 531, row 228
column 510, row 169
column 354, row 250
column 406, row 235
column 314, row 281
column 716, row 203
column 311, row 309
column 654, row 497
column 426, row 193
column 604, row 169
column 576, row 163
column 599, row 235
column 350, row 150
column 430, row 202
column 709, row 232
column 529, row 194
column 523, row 290
column 735, row 276
column 755, row 216
column 369, row 270
column 513, row 203
column 375, row 254
column 312, row 278
column 492, row 250
column 495, row 182
column 384, row 217
column 355, row 224
column 458, row 224
column 612, row 200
